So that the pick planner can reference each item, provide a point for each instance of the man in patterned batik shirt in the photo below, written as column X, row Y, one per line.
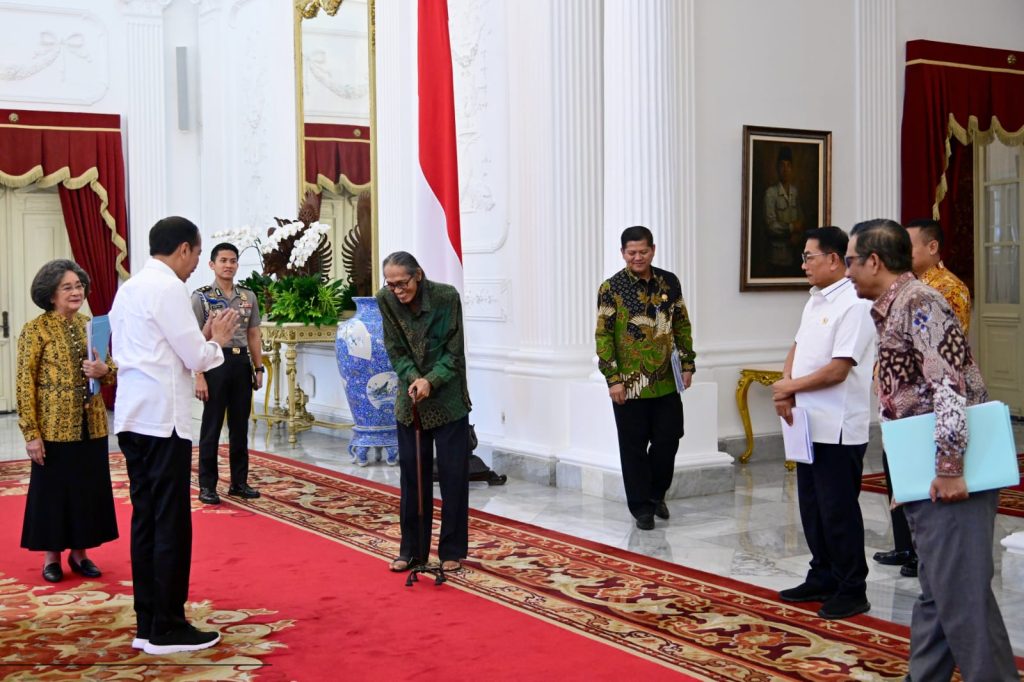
column 925, row 365
column 641, row 322
column 926, row 262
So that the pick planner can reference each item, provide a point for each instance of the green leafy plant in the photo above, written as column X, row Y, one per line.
column 306, row 299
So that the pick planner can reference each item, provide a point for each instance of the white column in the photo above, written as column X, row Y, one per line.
column 146, row 129
column 213, row 88
column 878, row 109
column 560, row 167
column 650, row 173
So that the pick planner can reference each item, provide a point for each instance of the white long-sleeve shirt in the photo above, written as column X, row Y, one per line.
column 157, row 346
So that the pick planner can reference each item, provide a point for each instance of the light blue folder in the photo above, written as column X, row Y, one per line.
column 990, row 461
column 97, row 331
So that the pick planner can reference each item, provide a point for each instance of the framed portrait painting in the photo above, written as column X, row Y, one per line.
column 787, row 178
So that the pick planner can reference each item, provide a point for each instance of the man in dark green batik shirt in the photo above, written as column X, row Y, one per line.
column 641, row 322
column 424, row 340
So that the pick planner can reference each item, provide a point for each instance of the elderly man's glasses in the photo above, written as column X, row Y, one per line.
column 850, row 259
column 400, row 285
column 808, row 256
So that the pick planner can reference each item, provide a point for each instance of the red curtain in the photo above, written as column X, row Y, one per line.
column 339, row 153
column 82, row 153
column 953, row 91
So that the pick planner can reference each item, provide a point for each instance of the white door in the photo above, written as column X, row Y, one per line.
column 999, row 205
column 338, row 211
column 32, row 232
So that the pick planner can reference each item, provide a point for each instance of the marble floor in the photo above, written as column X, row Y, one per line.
column 752, row 534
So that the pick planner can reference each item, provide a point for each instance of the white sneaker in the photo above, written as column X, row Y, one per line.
column 139, row 643
column 183, row 639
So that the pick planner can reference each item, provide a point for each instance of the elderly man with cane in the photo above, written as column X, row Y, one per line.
column 423, row 336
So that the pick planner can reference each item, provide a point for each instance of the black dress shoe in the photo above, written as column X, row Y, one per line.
column 843, row 606
column 661, row 510
column 896, row 557
column 52, row 573
column 243, row 491
column 209, row 496
column 806, row 592
column 909, row 569
column 645, row 522
column 86, row 568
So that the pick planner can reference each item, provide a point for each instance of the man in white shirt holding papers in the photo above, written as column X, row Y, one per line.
column 828, row 375
column 158, row 345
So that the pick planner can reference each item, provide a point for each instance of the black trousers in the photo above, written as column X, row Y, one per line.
column 452, row 444
column 900, row 527
column 828, row 491
column 649, row 431
column 161, row 547
column 230, row 387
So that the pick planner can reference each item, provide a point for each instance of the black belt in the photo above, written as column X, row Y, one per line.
column 236, row 350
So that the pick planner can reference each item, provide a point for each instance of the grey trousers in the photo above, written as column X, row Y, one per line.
column 956, row 620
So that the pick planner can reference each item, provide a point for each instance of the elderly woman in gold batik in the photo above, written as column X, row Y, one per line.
column 70, row 503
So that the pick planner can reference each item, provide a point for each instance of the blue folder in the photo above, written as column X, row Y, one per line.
column 989, row 463
column 97, row 331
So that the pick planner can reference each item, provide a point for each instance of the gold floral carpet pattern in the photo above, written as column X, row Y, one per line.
column 1011, row 500
column 84, row 632
column 709, row 627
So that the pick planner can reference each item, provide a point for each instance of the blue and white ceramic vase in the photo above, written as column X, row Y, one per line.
column 371, row 385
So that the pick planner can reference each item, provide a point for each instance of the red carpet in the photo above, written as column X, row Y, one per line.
column 297, row 584
column 1011, row 500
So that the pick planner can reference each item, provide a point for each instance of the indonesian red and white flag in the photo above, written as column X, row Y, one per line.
column 438, row 237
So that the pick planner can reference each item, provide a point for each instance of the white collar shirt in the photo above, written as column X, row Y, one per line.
column 157, row 345
column 836, row 324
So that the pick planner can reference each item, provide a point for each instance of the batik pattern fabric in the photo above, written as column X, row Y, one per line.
column 51, row 388
column 925, row 365
column 640, row 323
column 953, row 290
column 427, row 343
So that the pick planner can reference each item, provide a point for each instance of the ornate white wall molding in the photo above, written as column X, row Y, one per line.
column 144, row 8
column 479, row 114
column 487, row 299
column 53, row 55
column 878, row 65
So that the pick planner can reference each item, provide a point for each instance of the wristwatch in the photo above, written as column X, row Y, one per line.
column 259, row 369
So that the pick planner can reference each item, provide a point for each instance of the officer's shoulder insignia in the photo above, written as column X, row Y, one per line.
column 203, row 289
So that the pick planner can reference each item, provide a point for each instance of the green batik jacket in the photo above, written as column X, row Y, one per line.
column 427, row 344
column 638, row 325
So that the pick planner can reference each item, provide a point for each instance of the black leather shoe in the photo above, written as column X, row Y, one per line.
column 661, row 510
column 209, row 496
column 896, row 557
column 243, row 491
column 52, row 573
column 645, row 522
column 806, row 592
column 843, row 606
column 86, row 568
column 909, row 569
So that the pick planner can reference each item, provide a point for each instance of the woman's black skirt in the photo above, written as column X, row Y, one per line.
column 70, row 501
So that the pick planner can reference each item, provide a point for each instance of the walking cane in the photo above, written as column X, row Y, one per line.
column 435, row 570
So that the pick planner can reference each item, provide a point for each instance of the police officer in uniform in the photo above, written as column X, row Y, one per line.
column 229, row 386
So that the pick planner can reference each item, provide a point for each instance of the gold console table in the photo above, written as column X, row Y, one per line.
column 765, row 377
column 294, row 414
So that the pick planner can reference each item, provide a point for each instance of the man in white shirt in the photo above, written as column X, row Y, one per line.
column 828, row 374
column 157, row 346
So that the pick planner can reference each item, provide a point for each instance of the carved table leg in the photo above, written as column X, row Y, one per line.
column 742, row 387
column 293, row 401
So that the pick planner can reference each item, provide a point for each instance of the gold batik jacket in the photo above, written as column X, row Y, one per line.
column 52, row 390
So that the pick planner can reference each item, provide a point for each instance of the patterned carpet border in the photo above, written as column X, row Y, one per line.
column 1011, row 500
column 704, row 625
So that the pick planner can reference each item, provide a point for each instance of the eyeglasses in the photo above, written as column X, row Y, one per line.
column 808, row 256
column 849, row 260
column 68, row 288
column 400, row 285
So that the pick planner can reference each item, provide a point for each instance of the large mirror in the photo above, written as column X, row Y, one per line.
column 335, row 104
